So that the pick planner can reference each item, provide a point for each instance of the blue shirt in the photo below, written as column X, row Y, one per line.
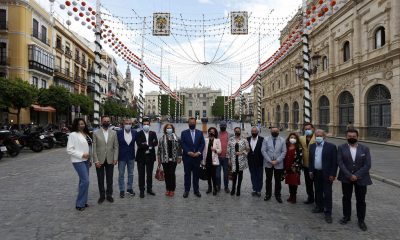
column 318, row 156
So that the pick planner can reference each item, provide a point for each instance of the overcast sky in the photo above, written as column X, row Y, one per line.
column 187, row 46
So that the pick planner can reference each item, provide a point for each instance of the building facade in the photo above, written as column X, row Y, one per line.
column 355, row 74
column 198, row 101
column 151, row 103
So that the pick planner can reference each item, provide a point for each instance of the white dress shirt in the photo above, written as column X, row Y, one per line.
column 128, row 137
column 105, row 133
column 353, row 151
column 318, row 156
column 253, row 143
column 146, row 134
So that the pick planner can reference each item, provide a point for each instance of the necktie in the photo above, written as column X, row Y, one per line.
column 193, row 136
column 274, row 140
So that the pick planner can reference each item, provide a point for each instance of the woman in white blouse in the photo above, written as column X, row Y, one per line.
column 210, row 159
column 79, row 147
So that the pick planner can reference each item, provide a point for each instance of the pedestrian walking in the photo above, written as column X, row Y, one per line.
column 79, row 148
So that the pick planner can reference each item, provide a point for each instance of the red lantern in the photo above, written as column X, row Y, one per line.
column 301, row 32
column 308, row 23
column 94, row 12
column 313, row 7
column 321, row 1
column 326, row 9
column 312, row 19
column 68, row 3
column 75, row 9
column 308, row 12
column 83, row 3
column 109, row 40
column 116, row 39
column 113, row 35
column 320, row 14
column 87, row 19
column 81, row 14
column 106, row 26
column 333, row 3
column 102, row 21
column 90, row 9
column 105, row 36
column 93, row 23
column 292, row 32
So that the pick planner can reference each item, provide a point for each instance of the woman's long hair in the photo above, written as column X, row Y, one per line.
column 75, row 126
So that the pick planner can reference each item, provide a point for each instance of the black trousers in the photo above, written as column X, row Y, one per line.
column 323, row 192
column 237, row 177
column 268, row 181
column 309, row 184
column 211, row 175
column 293, row 189
column 169, row 174
column 145, row 167
column 360, row 191
column 107, row 170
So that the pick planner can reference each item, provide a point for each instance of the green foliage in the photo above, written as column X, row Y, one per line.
column 85, row 102
column 217, row 108
column 56, row 96
column 113, row 108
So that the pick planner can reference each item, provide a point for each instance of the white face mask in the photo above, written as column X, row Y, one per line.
column 169, row 131
column 293, row 140
column 127, row 127
column 146, row 128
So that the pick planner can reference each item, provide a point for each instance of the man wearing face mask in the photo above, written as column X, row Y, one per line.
column 146, row 142
column 354, row 160
column 193, row 143
column 126, row 156
column 305, row 142
column 323, row 169
column 274, row 152
column 223, row 159
column 105, row 155
column 256, row 161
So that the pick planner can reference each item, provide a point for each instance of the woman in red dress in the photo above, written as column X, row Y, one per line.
column 293, row 165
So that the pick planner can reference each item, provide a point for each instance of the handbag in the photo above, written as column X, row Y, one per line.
column 159, row 174
column 203, row 173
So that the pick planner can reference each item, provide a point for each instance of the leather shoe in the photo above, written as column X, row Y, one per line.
column 253, row 194
column 227, row 190
column 267, row 197
column 258, row 194
column 209, row 190
column 185, row 194
column 317, row 210
column 279, row 199
column 344, row 220
column 362, row 226
column 151, row 192
column 197, row 194
column 122, row 194
column 101, row 200
column 309, row 201
column 141, row 195
column 110, row 199
column 328, row 218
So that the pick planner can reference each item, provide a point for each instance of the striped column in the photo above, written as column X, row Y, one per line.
column 259, row 98
column 97, row 68
column 141, row 97
column 306, row 68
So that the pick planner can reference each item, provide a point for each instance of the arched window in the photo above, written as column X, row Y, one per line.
column 323, row 113
column 379, row 112
column 379, row 37
column 296, row 116
column 286, row 115
column 346, row 51
column 346, row 110
column 324, row 63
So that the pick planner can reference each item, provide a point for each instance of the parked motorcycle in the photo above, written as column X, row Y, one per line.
column 31, row 140
column 3, row 149
column 10, row 141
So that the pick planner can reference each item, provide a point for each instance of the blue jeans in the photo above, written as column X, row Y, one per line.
column 121, row 178
column 82, row 168
column 256, row 174
column 223, row 165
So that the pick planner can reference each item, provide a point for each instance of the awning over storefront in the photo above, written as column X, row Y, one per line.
column 39, row 108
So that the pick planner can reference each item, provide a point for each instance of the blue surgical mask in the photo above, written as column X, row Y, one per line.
column 319, row 140
column 146, row 128
column 169, row 131
column 127, row 127
column 308, row 132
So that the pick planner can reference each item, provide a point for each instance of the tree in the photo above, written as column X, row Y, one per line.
column 217, row 108
column 56, row 96
column 85, row 102
column 16, row 94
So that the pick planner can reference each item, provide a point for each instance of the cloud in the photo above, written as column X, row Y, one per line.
column 205, row 1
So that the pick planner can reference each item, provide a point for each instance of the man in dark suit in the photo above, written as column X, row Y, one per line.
column 146, row 142
column 193, row 144
column 323, row 170
column 354, row 161
column 256, row 161
column 126, row 157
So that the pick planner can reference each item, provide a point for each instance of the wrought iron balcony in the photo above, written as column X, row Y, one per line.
column 68, row 52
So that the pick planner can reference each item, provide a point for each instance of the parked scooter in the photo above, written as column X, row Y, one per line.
column 10, row 141
column 31, row 140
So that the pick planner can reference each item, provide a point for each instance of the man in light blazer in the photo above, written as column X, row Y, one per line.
column 105, row 156
column 354, row 161
column 274, row 152
column 323, row 170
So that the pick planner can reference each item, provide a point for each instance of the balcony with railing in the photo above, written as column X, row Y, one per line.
column 59, row 47
column 77, row 59
column 41, row 37
column 3, row 26
column 84, row 63
column 68, row 52
column 40, row 59
column 63, row 73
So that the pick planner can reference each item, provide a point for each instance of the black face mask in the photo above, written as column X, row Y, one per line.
column 237, row 134
column 192, row 126
column 211, row 134
column 274, row 134
column 254, row 135
column 352, row 140
column 105, row 125
column 223, row 129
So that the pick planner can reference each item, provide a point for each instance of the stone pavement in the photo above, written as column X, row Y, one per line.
column 38, row 194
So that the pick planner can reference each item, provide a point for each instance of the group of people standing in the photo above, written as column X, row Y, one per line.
column 281, row 159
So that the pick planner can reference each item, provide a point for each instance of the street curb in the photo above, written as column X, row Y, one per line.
column 385, row 180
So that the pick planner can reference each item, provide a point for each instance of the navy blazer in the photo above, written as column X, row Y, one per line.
column 329, row 159
column 255, row 158
column 189, row 146
column 126, row 152
column 143, row 147
column 360, row 167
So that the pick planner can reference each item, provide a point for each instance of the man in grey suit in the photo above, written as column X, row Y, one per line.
column 105, row 155
column 354, row 161
column 274, row 152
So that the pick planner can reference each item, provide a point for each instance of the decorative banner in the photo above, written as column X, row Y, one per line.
column 161, row 24
column 239, row 23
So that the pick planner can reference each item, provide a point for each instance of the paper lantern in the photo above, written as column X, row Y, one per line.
column 82, row 8
column 68, row 3
column 333, row 3
column 83, row 3
column 312, row 19
column 76, row 18
column 90, row 9
column 94, row 12
column 68, row 22
column 70, row 13
column 313, row 7
column 326, row 9
column 87, row 19
column 321, row 1
column 74, row 3
column 89, row 27
column 62, row 6
column 75, row 9
column 81, row 14
column 83, row 23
